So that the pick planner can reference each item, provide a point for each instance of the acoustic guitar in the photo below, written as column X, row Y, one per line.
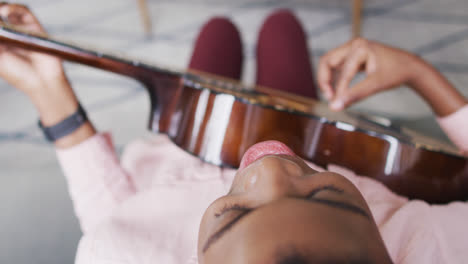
column 217, row 119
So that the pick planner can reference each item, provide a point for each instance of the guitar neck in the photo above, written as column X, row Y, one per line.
column 132, row 68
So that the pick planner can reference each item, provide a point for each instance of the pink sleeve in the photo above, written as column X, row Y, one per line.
column 96, row 181
column 456, row 127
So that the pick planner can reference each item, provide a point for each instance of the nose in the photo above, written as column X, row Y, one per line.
column 274, row 177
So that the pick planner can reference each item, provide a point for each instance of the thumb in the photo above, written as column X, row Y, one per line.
column 359, row 91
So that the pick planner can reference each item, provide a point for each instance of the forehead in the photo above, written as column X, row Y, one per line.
column 287, row 222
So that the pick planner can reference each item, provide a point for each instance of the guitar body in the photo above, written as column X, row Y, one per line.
column 220, row 127
column 218, row 119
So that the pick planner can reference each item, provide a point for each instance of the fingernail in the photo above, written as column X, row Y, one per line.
column 328, row 95
column 337, row 105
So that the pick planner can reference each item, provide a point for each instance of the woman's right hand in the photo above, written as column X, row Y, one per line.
column 386, row 67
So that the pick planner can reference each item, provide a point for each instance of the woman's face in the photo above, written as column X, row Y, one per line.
column 278, row 205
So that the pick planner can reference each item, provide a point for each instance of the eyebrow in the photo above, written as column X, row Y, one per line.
column 335, row 204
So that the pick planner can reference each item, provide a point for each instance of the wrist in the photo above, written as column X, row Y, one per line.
column 435, row 89
column 54, row 101
column 58, row 107
column 70, row 131
column 418, row 71
column 81, row 134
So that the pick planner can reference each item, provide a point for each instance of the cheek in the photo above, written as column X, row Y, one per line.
column 250, row 181
column 204, row 228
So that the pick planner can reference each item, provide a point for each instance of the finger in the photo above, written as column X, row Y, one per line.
column 361, row 90
column 9, row 54
column 351, row 67
column 3, row 4
column 19, row 51
column 10, row 63
column 21, row 17
column 330, row 61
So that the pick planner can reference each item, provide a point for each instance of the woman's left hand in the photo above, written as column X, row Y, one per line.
column 41, row 77
column 30, row 72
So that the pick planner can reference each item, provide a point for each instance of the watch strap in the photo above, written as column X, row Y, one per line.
column 66, row 126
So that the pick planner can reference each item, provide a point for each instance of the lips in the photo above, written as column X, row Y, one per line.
column 259, row 150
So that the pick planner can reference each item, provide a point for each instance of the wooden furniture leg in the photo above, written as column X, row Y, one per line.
column 144, row 13
column 357, row 8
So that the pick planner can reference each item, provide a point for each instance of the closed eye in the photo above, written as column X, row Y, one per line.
column 328, row 187
column 310, row 197
column 243, row 208
column 236, row 207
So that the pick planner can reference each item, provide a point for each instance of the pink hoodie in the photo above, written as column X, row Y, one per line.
column 147, row 209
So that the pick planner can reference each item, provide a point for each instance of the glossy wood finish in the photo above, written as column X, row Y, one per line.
column 219, row 127
column 135, row 69
column 218, row 119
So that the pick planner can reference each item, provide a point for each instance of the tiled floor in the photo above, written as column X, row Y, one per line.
column 37, row 224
